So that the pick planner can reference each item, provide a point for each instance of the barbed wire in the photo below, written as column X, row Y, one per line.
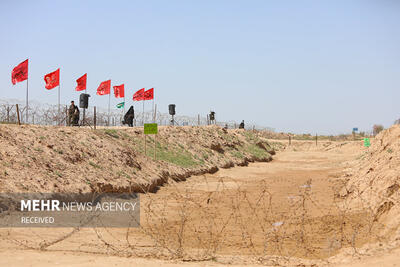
column 47, row 114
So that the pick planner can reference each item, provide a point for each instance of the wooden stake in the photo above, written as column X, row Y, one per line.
column 8, row 114
column 19, row 120
column 94, row 118
column 66, row 116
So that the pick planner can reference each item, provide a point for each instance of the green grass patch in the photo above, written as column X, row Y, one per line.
column 111, row 132
column 179, row 157
column 250, row 136
column 237, row 154
column 256, row 151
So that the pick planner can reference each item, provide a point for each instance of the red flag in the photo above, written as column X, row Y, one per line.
column 20, row 72
column 149, row 94
column 52, row 79
column 104, row 88
column 139, row 95
column 119, row 91
column 81, row 83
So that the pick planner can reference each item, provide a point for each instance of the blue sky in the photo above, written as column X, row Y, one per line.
column 298, row 66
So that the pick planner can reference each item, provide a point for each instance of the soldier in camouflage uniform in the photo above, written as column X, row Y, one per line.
column 71, row 113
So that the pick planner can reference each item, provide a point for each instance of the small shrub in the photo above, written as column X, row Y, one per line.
column 377, row 128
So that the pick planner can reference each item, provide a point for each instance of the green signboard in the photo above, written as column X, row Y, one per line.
column 367, row 143
column 150, row 128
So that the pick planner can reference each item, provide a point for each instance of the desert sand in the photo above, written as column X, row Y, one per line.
column 302, row 208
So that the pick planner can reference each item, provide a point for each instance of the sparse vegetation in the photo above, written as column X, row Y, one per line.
column 91, row 163
column 377, row 128
column 257, row 152
column 111, row 132
column 180, row 157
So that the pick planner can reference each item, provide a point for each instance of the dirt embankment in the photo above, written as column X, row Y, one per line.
column 60, row 159
column 374, row 183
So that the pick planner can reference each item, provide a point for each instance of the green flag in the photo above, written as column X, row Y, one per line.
column 121, row 105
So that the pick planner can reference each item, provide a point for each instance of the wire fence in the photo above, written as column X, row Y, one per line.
column 46, row 114
column 195, row 224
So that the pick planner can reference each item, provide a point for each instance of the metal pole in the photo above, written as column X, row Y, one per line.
column 155, row 113
column 152, row 106
column 27, row 100
column 59, row 114
column 143, row 112
column 124, row 106
column 84, row 114
column 109, row 100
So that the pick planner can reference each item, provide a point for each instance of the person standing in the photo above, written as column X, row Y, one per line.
column 71, row 112
column 76, row 117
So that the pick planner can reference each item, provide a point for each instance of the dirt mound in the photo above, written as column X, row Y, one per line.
column 61, row 159
column 374, row 184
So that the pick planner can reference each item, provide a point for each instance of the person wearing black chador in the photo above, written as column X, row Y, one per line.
column 129, row 116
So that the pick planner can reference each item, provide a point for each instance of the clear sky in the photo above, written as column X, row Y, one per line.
column 299, row 66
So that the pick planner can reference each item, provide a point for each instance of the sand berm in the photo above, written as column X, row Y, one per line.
column 68, row 159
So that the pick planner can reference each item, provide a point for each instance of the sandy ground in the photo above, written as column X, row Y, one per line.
column 230, row 198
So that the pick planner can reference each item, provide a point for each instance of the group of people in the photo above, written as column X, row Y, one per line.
column 73, row 116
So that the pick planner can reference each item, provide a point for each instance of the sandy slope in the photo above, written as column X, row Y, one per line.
column 375, row 181
column 288, row 212
column 211, row 194
column 67, row 159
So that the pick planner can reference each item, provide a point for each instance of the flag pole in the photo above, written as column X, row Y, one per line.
column 84, row 113
column 109, row 100
column 26, row 100
column 143, row 110
column 153, row 107
column 59, row 115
